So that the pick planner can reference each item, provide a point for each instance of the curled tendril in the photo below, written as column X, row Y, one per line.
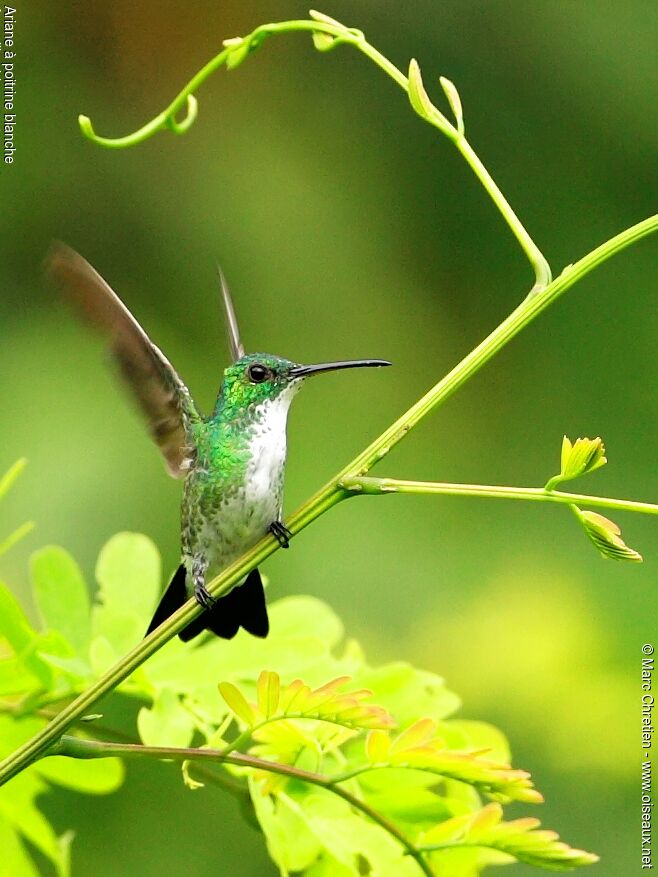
column 234, row 53
column 327, row 33
column 166, row 119
column 192, row 111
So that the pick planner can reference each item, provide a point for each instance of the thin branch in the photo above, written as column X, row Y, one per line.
column 520, row 317
column 74, row 747
column 535, row 256
column 237, row 50
column 224, row 782
column 379, row 486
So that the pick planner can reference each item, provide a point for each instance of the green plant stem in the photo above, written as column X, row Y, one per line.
column 185, row 98
column 379, row 486
column 343, row 35
column 246, row 738
column 535, row 256
column 329, row 495
column 520, row 317
column 75, row 747
column 225, row 782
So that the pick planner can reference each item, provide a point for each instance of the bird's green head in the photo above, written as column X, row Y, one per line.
column 256, row 378
column 262, row 377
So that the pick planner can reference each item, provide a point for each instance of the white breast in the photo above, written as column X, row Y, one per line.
column 244, row 517
column 267, row 448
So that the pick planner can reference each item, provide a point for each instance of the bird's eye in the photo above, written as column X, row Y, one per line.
column 258, row 373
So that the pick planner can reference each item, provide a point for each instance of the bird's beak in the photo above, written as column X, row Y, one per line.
column 302, row 371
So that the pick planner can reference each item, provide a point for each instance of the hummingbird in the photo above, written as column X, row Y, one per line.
column 232, row 461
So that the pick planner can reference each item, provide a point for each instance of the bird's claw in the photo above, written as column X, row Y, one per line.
column 281, row 533
column 203, row 596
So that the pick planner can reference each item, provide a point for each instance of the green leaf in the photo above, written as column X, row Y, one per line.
column 15, row 861
column 353, row 840
column 324, row 704
column 409, row 796
column 21, row 637
column 420, row 747
column 17, row 806
column 98, row 777
column 308, row 616
column 15, row 730
column 378, row 746
column 15, row 678
column 583, row 456
column 520, row 838
column 325, row 19
column 237, row 703
column 14, row 626
column 421, row 103
column 418, row 734
column 606, row 536
column 328, row 866
column 291, row 843
column 119, row 626
column 467, row 734
column 323, row 42
column 68, row 669
column 101, row 655
column 61, row 596
column 407, row 693
column 165, row 723
column 64, row 661
column 454, row 100
column 129, row 573
column 19, row 814
column 19, row 818
column 268, row 688
column 238, row 54
column 304, row 632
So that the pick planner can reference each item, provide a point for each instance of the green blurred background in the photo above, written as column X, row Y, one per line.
column 348, row 228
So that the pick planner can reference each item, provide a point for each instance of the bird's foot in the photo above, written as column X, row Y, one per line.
column 281, row 533
column 203, row 596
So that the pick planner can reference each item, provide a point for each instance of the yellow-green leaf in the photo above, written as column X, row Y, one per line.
column 418, row 734
column 606, row 536
column 421, row 103
column 486, row 818
column 454, row 100
column 323, row 42
column 236, row 702
column 378, row 746
column 268, row 688
column 578, row 458
column 448, row 830
column 293, row 694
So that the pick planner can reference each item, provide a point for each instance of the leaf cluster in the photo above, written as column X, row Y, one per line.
column 579, row 458
column 371, row 755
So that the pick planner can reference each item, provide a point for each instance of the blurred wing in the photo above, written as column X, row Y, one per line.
column 232, row 330
column 160, row 393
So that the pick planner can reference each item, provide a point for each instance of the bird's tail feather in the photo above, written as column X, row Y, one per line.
column 244, row 606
